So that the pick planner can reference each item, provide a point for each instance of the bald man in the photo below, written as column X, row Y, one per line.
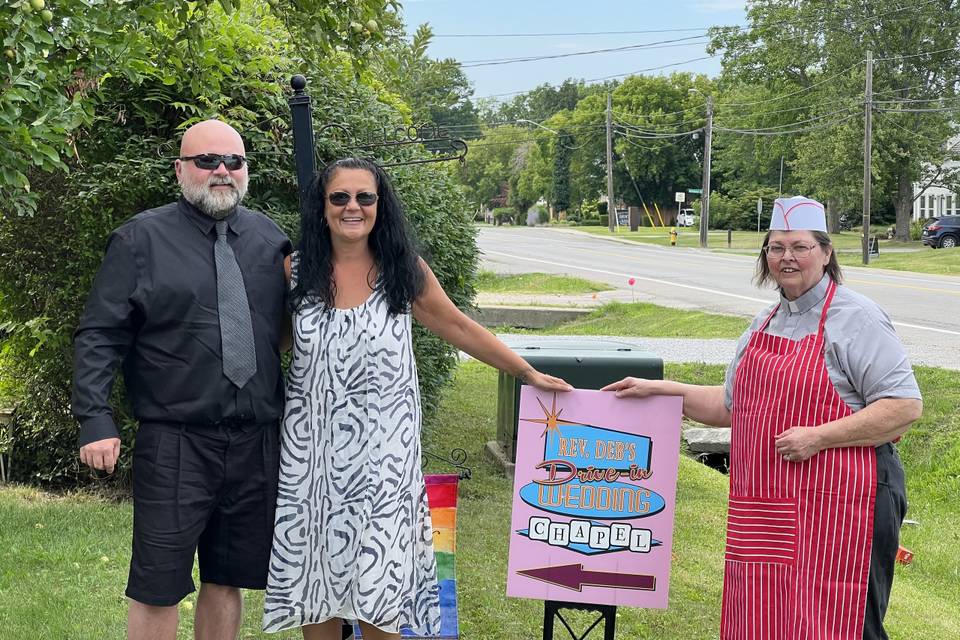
column 189, row 298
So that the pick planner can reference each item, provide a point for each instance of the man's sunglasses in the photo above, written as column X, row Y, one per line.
column 210, row 161
column 340, row 198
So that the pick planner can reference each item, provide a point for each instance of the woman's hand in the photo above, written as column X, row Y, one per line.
column 545, row 382
column 634, row 388
column 797, row 444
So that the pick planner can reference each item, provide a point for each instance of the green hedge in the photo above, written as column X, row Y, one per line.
column 49, row 260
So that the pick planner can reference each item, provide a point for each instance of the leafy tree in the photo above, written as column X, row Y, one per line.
column 436, row 91
column 817, row 48
column 122, row 164
column 538, row 104
column 55, row 58
column 561, row 171
column 489, row 165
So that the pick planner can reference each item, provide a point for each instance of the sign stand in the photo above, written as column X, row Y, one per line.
column 551, row 611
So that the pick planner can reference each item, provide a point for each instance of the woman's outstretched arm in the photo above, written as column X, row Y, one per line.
column 434, row 310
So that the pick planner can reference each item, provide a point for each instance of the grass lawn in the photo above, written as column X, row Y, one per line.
column 648, row 320
column 490, row 282
column 746, row 240
column 63, row 559
column 927, row 260
column 920, row 259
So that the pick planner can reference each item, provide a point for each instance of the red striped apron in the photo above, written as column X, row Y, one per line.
column 798, row 533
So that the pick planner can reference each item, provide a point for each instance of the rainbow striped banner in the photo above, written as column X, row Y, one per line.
column 442, row 499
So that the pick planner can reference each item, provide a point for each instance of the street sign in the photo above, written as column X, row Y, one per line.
column 759, row 206
column 680, row 196
column 695, row 190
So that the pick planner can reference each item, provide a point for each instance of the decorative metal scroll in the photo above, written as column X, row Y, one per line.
column 435, row 138
column 457, row 460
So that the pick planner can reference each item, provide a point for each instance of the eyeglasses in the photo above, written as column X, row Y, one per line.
column 210, row 161
column 798, row 250
column 364, row 198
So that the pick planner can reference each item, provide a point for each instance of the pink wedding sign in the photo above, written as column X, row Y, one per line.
column 593, row 498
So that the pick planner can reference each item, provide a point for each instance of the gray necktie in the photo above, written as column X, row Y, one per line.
column 236, row 327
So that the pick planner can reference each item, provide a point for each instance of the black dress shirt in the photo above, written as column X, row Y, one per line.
column 153, row 305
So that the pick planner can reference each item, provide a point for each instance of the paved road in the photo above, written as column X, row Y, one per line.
column 925, row 308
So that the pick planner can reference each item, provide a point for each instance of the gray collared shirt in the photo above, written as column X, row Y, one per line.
column 864, row 357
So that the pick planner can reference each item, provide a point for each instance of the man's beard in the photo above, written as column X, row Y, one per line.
column 217, row 204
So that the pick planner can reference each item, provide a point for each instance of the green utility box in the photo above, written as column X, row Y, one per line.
column 586, row 364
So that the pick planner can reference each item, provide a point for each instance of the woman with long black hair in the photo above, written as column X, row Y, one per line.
column 353, row 538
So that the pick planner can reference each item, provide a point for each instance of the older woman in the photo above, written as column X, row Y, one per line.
column 353, row 538
column 819, row 389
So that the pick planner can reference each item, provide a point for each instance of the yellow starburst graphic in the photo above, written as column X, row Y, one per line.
column 551, row 418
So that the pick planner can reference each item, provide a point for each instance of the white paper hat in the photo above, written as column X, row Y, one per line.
column 798, row 214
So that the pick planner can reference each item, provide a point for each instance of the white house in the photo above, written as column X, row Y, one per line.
column 938, row 201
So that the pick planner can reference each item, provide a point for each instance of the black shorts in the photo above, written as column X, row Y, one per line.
column 209, row 490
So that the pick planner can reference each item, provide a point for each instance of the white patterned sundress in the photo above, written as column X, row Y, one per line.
column 353, row 537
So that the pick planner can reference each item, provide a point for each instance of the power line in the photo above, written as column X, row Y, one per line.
column 661, row 44
column 660, row 135
column 928, row 110
column 794, row 124
column 657, row 68
column 792, row 93
column 915, row 134
column 803, row 108
column 916, row 55
column 634, row 128
column 912, row 8
column 569, row 33
column 916, row 100
column 657, row 113
column 645, row 31
column 768, row 132
column 619, row 75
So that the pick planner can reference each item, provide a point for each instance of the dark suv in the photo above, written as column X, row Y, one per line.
column 942, row 232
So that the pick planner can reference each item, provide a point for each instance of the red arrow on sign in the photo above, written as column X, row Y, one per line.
column 574, row 576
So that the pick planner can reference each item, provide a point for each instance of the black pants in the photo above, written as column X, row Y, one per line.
column 891, row 507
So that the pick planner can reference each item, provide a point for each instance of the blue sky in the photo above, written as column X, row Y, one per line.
column 562, row 16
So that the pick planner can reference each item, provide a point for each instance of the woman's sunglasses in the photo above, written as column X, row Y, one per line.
column 340, row 198
column 209, row 161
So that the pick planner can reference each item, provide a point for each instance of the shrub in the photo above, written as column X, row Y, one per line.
column 604, row 220
column 49, row 259
column 503, row 214
column 916, row 229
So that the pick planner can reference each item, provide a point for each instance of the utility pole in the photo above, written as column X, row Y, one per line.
column 867, row 156
column 611, row 207
column 705, row 196
column 780, row 188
